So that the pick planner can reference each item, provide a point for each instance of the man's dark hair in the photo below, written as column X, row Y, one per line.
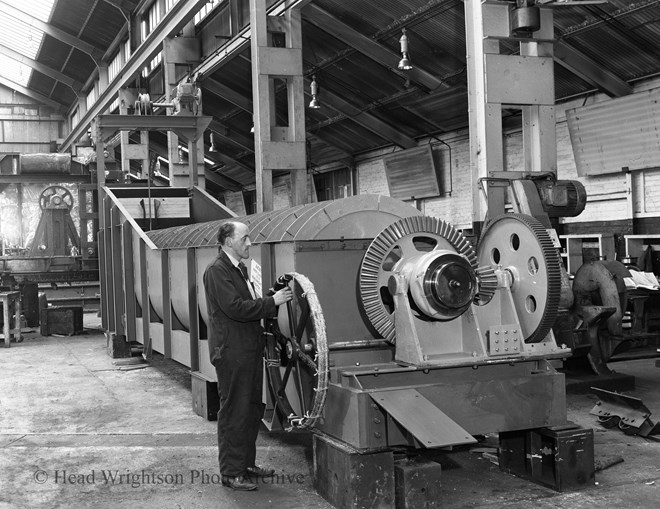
column 226, row 231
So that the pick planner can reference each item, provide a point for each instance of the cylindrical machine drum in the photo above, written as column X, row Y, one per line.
column 45, row 163
column 357, row 217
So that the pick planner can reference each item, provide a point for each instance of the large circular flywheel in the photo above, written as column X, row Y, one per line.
column 55, row 197
column 409, row 238
column 521, row 245
column 297, row 357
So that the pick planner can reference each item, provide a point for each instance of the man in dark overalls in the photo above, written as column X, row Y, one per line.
column 236, row 350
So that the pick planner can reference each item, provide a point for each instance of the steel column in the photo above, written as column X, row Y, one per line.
column 524, row 81
column 128, row 281
column 193, row 310
column 277, row 147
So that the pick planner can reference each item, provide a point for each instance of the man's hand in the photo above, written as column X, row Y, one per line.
column 283, row 295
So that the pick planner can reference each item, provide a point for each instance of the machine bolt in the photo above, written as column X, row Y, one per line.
column 376, row 420
column 474, row 354
column 497, row 332
column 506, row 349
column 506, row 340
column 426, row 357
column 506, row 332
column 515, row 330
column 377, row 434
column 375, row 369
column 357, row 363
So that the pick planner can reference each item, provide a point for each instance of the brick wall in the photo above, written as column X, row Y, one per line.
column 607, row 193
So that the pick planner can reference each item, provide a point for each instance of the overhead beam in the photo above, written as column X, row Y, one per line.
column 245, row 104
column 95, row 53
column 236, row 139
column 241, row 40
column 221, row 181
column 32, row 94
column 76, row 86
column 367, row 120
column 369, row 47
column 228, row 94
column 217, row 178
column 172, row 23
column 596, row 21
column 584, row 67
column 230, row 161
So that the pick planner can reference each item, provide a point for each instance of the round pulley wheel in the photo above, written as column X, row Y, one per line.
column 521, row 245
column 56, row 197
column 297, row 357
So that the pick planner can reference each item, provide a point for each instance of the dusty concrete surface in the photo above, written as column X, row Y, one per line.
column 77, row 432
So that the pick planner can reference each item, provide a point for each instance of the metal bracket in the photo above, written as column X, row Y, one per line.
column 505, row 340
column 626, row 412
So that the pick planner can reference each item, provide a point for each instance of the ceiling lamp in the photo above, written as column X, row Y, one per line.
column 404, row 63
column 314, row 103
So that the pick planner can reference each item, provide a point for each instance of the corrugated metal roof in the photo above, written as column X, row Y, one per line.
column 621, row 37
column 23, row 38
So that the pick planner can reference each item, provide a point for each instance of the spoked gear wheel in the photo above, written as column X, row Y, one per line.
column 297, row 357
column 409, row 237
column 520, row 244
column 55, row 197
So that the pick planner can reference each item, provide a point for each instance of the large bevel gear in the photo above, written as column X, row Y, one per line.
column 408, row 237
column 521, row 245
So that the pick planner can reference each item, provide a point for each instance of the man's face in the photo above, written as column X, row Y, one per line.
column 240, row 242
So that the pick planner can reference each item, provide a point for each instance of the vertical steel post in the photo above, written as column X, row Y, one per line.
column 277, row 147
column 496, row 81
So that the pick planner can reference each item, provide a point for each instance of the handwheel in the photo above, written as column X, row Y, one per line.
column 297, row 357
column 55, row 197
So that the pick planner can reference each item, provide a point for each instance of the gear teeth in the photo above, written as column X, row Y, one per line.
column 552, row 264
column 487, row 280
column 371, row 268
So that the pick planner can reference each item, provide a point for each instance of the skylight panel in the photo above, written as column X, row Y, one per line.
column 22, row 38
column 14, row 70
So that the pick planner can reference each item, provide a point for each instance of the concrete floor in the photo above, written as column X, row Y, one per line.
column 72, row 422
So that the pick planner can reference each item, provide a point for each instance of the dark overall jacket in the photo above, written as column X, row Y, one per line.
column 236, row 351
